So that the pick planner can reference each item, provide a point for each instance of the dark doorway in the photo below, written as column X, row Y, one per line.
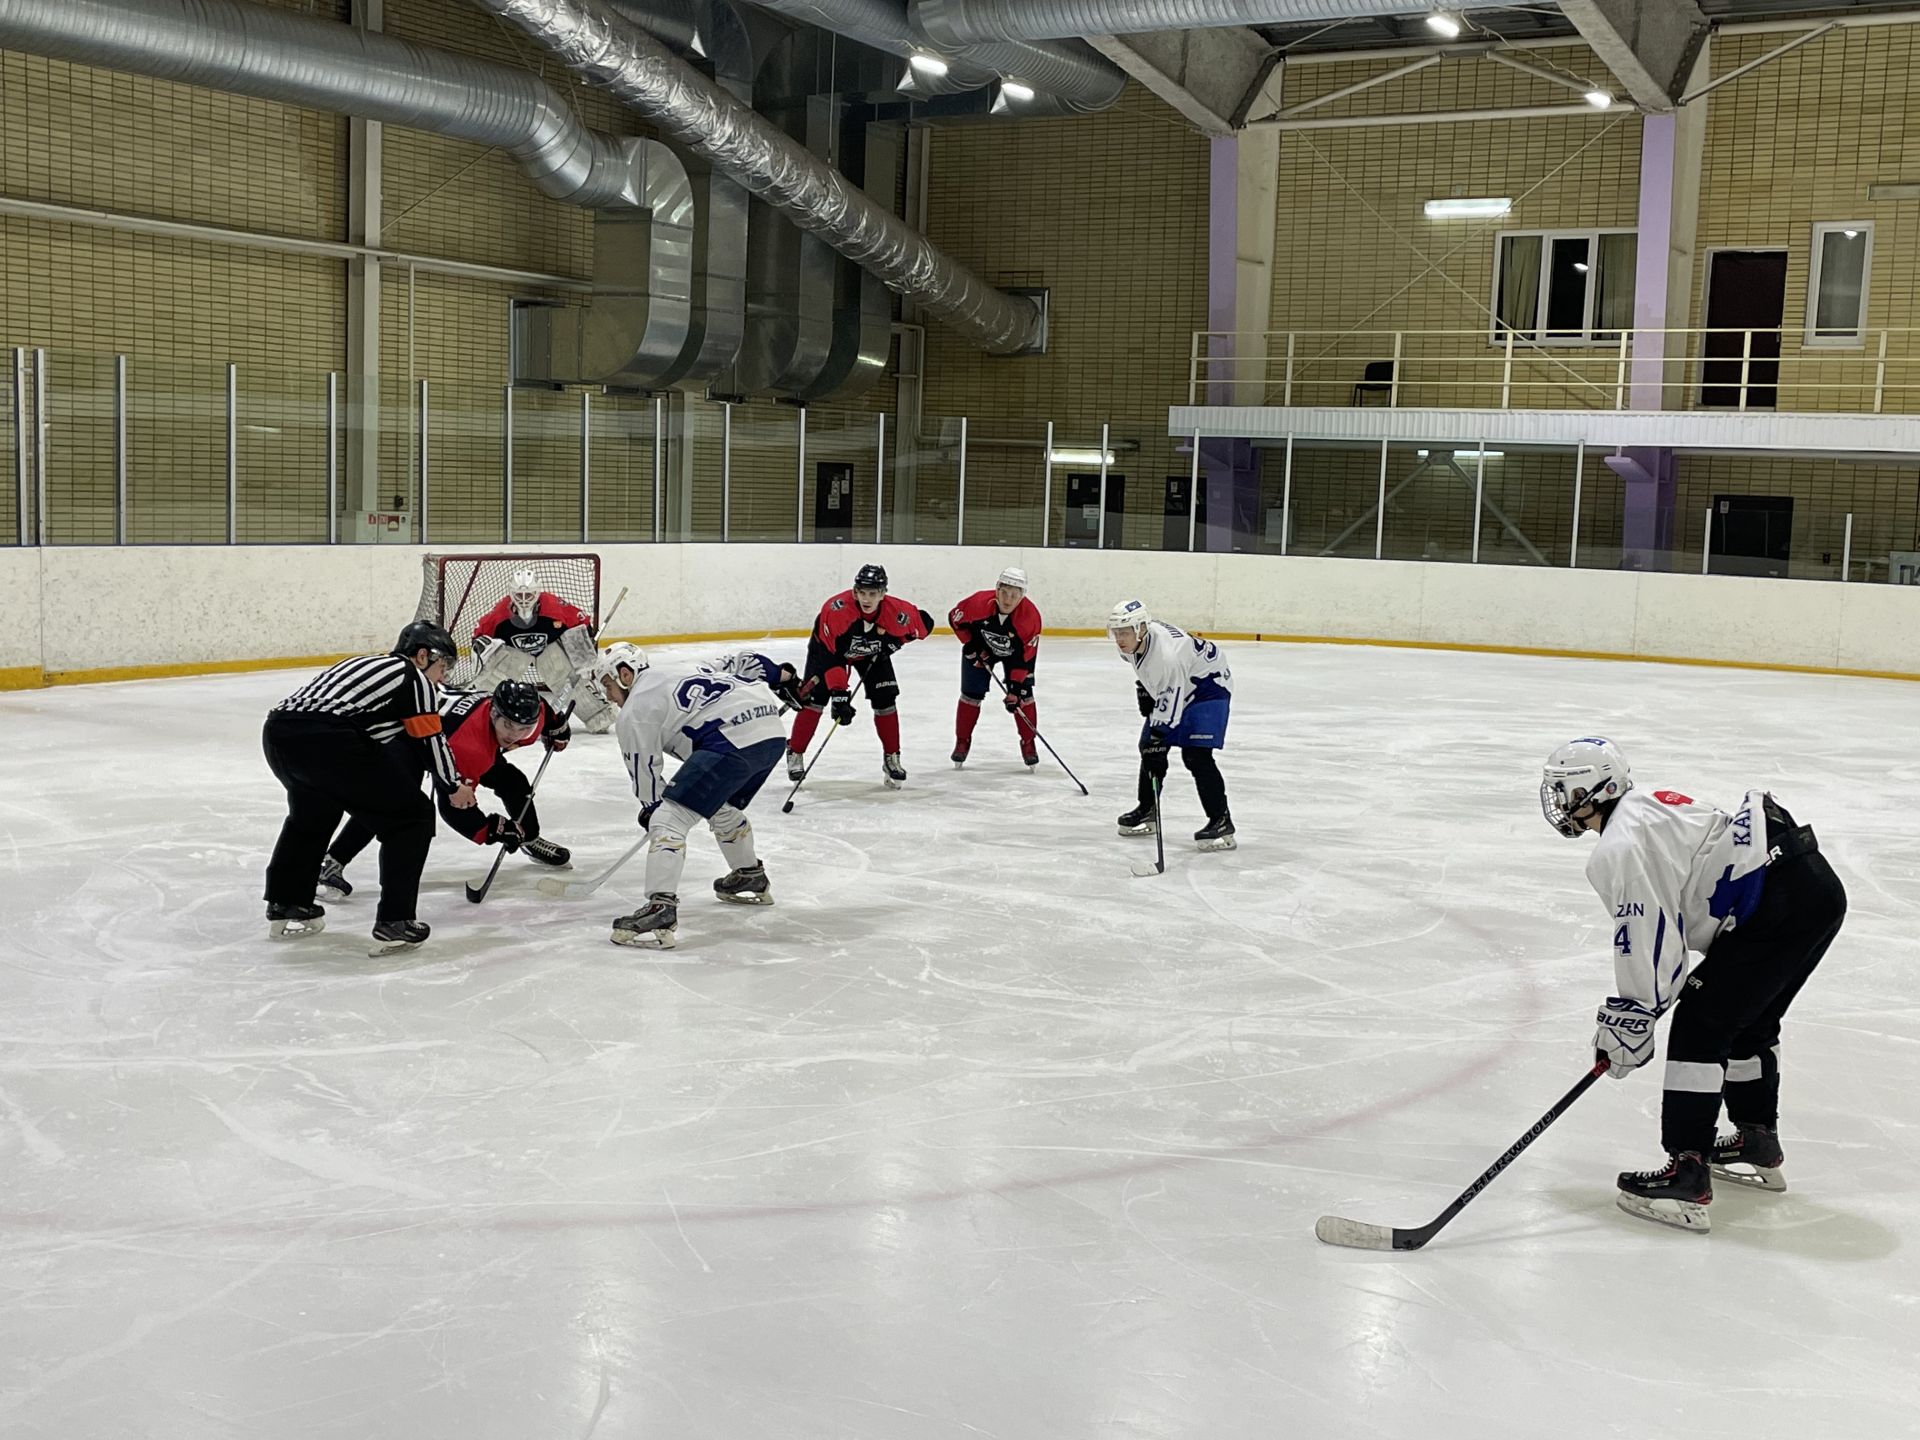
column 1083, row 509
column 1174, row 527
column 1746, row 290
column 833, row 501
column 1752, row 534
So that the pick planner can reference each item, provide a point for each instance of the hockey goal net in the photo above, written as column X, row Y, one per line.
column 456, row 591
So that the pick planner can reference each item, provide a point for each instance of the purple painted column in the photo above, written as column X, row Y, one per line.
column 1646, row 527
column 1231, row 472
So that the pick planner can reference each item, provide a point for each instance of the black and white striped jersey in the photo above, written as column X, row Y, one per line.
column 388, row 696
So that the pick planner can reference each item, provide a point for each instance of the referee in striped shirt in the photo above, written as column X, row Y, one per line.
column 335, row 744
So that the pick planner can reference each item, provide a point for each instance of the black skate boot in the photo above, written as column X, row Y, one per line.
column 290, row 922
column 961, row 748
column 747, row 886
column 1676, row 1194
column 545, row 852
column 390, row 937
column 796, row 766
column 653, row 924
column 1029, row 756
column 1137, row 821
column 892, row 770
column 333, row 879
column 1755, row 1151
column 1216, row 834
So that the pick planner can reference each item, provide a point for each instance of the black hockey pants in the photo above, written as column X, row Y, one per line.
column 330, row 769
column 1726, row 1027
column 505, row 779
column 1206, row 778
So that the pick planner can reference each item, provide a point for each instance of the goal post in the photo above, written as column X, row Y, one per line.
column 457, row 591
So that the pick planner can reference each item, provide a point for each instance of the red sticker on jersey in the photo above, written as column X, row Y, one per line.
column 1672, row 797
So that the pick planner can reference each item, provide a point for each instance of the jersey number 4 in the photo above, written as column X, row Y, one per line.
column 1622, row 941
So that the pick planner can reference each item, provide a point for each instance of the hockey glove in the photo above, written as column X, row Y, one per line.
column 978, row 654
column 842, row 708
column 646, row 813
column 926, row 622
column 1144, row 700
column 1624, row 1037
column 502, row 832
column 557, row 737
column 1153, row 741
column 788, row 687
column 1019, row 692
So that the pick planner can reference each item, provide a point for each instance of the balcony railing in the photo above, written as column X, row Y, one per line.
column 1501, row 369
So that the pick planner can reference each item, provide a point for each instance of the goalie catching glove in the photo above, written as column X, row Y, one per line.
column 1624, row 1037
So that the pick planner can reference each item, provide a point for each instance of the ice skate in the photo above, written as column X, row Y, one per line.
column 545, row 852
column 747, row 886
column 333, row 879
column 961, row 748
column 1676, row 1194
column 892, row 770
column 1137, row 821
column 1750, row 1156
column 653, row 924
column 390, row 937
column 796, row 766
column 290, row 922
column 1029, row 756
column 1216, row 834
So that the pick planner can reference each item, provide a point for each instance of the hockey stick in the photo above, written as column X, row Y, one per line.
column 578, row 889
column 786, row 807
column 612, row 610
column 476, row 894
column 1354, row 1234
column 1159, row 866
column 1034, row 730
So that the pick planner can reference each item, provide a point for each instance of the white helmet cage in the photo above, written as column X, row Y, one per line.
column 524, row 591
column 1579, row 774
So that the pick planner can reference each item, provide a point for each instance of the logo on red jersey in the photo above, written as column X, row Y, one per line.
column 1672, row 797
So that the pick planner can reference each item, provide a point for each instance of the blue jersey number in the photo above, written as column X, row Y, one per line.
column 698, row 690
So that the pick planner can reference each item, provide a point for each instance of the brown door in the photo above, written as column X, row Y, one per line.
column 1746, row 291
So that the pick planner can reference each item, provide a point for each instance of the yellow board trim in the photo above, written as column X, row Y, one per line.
column 29, row 677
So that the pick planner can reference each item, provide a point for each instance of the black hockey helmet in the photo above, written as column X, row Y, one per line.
column 425, row 635
column 517, row 701
column 871, row 577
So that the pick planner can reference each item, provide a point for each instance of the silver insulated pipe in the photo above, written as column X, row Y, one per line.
column 976, row 22
column 596, row 44
column 301, row 60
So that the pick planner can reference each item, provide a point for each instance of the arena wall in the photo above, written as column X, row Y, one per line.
column 100, row 613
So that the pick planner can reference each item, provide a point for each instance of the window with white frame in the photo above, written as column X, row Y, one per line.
column 1563, row 287
column 1837, row 283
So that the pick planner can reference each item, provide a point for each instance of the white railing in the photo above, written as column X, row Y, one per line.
column 1502, row 369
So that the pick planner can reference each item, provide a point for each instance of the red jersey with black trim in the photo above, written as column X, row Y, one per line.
column 552, row 617
column 849, row 635
column 1014, row 638
column 467, row 720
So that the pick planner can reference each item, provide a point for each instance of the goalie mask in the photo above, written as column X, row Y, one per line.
column 1578, row 776
column 524, row 591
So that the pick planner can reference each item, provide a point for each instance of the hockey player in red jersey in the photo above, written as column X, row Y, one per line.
column 480, row 729
column 997, row 627
column 529, row 618
column 858, row 629
column 533, row 631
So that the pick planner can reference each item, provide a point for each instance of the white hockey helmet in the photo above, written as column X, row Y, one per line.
column 1014, row 578
column 621, row 654
column 524, row 591
column 1579, row 774
column 1128, row 615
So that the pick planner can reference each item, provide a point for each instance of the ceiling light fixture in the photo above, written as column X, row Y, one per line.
column 1016, row 90
column 1599, row 99
column 927, row 64
column 1443, row 24
column 1484, row 208
column 1080, row 457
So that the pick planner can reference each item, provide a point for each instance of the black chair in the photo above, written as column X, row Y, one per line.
column 1376, row 378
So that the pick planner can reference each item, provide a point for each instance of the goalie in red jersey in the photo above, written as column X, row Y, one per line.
column 997, row 627
column 534, row 630
column 858, row 629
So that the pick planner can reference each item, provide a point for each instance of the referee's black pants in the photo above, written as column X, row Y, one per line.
column 1726, row 1029
column 330, row 770
column 505, row 779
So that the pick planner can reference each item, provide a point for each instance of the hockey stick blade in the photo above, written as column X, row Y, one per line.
column 578, row 889
column 1332, row 1230
column 1141, row 872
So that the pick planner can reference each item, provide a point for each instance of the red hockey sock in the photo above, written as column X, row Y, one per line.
column 966, row 715
column 1028, row 724
column 889, row 727
column 804, row 724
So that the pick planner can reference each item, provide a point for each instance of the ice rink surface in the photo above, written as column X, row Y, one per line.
column 972, row 1134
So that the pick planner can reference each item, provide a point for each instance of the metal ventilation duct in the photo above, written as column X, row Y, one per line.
column 595, row 43
column 978, row 22
column 300, row 60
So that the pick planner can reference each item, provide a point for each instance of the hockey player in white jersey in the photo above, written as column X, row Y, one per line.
column 1185, row 690
column 722, row 721
column 1750, row 892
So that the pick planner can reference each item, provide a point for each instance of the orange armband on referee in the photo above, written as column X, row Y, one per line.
column 421, row 726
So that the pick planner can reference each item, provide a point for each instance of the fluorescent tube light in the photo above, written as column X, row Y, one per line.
column 1080, row 457
column 1443, row 24
column 1485, row 208
column 927, row 64
column 1467, row 454
column 1017, row 90
column 1599, row 99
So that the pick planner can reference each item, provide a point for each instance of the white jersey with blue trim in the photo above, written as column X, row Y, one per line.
column 1172, row 665
column 677, row 708
column 1674, row 874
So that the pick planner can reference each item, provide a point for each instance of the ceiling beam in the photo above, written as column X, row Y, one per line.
column 1207, row 75
column 1648, row 44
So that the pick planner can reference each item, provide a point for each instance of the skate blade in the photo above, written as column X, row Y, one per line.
column 1753, row 1177
column 1680, row 1214
column 550, row 865
column 645, row 939
column 333, row 892
column 391, row 947
column 893, row 784
column 1140, row 830
column 295, row 929
column 765, row 898
column 1224, row 843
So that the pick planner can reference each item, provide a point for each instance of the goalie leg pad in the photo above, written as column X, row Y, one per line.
column 499, row 662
